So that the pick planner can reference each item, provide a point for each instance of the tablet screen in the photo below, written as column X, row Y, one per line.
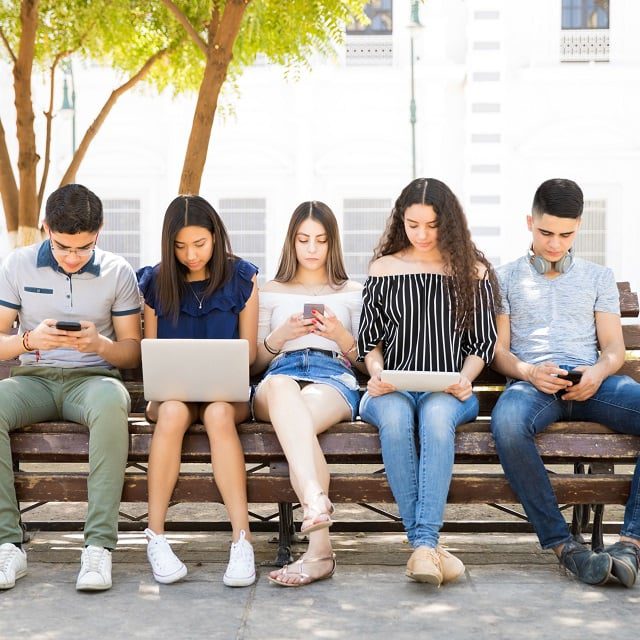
column 419, row 380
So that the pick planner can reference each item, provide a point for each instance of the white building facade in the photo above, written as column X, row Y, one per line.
column 507, row 94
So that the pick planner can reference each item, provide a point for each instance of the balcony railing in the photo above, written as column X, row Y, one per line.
column 369, row 50
column 584, row 45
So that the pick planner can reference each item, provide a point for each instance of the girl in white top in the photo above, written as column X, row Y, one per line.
column 309, row 384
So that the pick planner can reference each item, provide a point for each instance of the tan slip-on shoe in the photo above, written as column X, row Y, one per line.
column 452, row 567
column 425, row 566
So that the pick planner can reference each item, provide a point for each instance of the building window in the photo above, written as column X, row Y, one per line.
column 371, row 44
column 121, row 231
column 244, row 219
column 591, row 242
column 380, row 17
column 585, row 14
column 363, row 222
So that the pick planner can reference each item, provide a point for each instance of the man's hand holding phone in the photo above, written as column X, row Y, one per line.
column 587, row 382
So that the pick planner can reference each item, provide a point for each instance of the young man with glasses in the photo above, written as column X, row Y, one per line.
column 69, row 374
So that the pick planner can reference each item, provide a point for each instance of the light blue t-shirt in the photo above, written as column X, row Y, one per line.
column 554, row 319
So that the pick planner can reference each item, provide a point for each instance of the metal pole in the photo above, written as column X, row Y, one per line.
column 73, row 107
column 412, row 116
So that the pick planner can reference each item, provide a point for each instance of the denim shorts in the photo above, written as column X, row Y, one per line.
column 312, row 365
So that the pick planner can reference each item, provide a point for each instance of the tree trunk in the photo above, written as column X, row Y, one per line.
column 28, row 212
column 92, row 131
column 8, row 186
column 219, row 55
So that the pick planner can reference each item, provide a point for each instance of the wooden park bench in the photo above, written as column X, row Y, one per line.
column 592, row 449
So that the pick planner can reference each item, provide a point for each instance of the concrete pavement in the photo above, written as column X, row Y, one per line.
column 511, row 590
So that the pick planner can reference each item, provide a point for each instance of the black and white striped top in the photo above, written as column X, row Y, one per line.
column 412, row 315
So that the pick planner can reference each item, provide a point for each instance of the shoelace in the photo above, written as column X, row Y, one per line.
column 436, row 558
column 93, row 559
column 160, row 550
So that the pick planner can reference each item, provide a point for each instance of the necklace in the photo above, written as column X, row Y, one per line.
column 312, row 290
column 200, row 300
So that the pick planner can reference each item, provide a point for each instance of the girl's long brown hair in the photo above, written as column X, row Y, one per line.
column 186, row 211
column 454, row 241
column 320, row 212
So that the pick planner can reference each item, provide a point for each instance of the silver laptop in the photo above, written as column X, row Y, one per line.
column 196, row 370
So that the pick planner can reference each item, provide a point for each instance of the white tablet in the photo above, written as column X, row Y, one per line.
column 419, row 380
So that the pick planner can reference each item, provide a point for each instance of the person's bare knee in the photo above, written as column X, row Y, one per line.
column 279, row 384
column 173, row 418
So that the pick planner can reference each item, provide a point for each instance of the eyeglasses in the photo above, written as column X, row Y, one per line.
column 80, row 253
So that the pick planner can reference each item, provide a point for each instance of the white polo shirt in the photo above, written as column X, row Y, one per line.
column 32, row 283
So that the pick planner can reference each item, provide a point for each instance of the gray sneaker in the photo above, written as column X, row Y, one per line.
column 584, row 564
column 626, row 558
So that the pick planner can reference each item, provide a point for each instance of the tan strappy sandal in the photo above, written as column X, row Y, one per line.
column 317, row 517
column 303, row 578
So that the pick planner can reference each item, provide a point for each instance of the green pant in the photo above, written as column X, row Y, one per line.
column 93, row 396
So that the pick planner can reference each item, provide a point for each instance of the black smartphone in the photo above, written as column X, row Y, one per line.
column 63, row 325
column 310, row 307
column 573, row 376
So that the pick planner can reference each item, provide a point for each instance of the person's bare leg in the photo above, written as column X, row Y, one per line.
column 173, row 419
column 326, row 407
column 279, row 400
column 227, row 458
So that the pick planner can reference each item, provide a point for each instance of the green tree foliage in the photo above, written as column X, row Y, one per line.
column 185, row 45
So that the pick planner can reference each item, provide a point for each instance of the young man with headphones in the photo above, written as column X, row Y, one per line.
column 560, row 313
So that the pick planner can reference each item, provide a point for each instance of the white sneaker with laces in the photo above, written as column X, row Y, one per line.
column 95, row 569
column 241, row 570
column 166, row 566
column 13, row 564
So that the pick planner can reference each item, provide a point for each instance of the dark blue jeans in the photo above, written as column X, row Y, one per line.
column 522, row 412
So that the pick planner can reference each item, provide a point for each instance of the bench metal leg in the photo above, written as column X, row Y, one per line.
column 26, row 536
column 580, row 516
column 285, row 533
column 597, row 541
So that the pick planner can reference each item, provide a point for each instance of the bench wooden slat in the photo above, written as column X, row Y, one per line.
column 345, row 442
column 264, row 488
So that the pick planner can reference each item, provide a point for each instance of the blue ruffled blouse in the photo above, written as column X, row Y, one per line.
column 216, row 318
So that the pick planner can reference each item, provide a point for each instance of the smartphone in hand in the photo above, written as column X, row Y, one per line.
column 573, row 376
column 310, row 307
column 63, row 325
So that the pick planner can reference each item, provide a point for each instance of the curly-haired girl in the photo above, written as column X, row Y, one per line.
column 428, row 305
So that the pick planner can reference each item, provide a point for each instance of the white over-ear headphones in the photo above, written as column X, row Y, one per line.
column 542, row 265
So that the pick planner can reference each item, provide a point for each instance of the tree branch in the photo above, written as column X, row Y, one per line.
column 92, row 131
column 49, row 118
column 220, row 54
column 188, row 27
column 7, row 45
column 8, row 185
column 27, row 155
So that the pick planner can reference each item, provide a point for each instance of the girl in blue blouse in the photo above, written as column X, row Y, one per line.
column 427, row 306
column 199, row 290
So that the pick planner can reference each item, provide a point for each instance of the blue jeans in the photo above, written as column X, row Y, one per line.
column 522, row 412
column 417, row 432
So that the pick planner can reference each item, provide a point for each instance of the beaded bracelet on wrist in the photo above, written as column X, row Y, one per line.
column 25, row 341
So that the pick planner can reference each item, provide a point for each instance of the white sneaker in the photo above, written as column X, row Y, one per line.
column 241, row 570
column 13, row 565
column 166, row 566
column 95, row 569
